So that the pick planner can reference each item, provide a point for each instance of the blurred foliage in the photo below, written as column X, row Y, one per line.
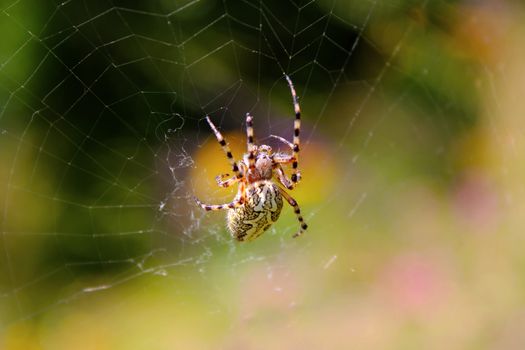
column 411, row 162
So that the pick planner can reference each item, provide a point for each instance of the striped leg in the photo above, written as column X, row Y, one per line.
column 227, row 183
column 296, row 131
column 282, row 158
column 286, row 158
column 297, row 212
column 237, row 202
column 225, row 148
column 282, row 177
column 249, row 137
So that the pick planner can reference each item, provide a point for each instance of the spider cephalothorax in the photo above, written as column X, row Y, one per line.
column 264, row 163
column 259, row 199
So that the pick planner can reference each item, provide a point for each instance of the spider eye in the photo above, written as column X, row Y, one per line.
column 265, row 149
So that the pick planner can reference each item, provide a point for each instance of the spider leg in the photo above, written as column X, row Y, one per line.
column 296, row 131
column 297, row 212
column 249, row 137
column 225, row 148
column 227, row 183
column 282, row 139
column 237, row 202
column 283, row 158
column 282, row 177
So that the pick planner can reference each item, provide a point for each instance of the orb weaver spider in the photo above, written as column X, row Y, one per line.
column 259, row 199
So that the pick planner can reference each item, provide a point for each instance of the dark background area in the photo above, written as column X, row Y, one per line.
column 411, row 160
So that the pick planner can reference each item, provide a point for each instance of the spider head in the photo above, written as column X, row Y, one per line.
column 263, row 163
column 264, row 149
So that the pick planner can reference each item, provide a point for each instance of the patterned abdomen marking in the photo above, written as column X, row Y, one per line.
column 260, row 210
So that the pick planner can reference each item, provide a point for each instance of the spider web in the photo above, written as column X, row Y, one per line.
column 103, row 141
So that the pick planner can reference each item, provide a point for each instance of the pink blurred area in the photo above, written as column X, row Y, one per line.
column 393, row 259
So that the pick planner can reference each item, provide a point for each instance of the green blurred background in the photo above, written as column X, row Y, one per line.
column 412, row 164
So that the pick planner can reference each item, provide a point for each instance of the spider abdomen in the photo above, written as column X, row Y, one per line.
column 260, row 210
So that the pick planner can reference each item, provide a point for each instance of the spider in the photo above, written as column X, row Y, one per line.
column 259, row 199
